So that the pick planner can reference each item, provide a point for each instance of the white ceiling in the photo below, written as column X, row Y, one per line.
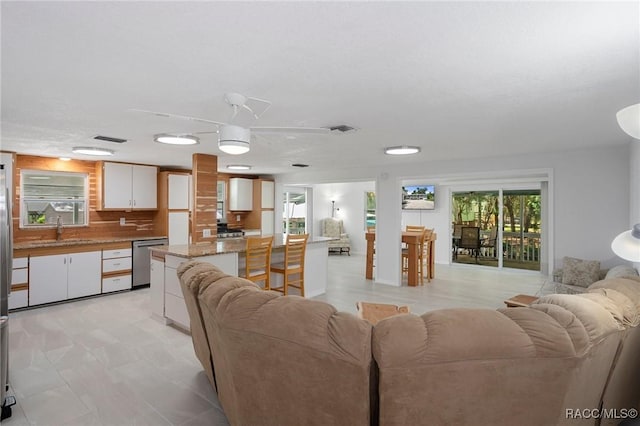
column 460, row 80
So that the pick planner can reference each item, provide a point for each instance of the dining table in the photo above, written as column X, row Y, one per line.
column 412, row 240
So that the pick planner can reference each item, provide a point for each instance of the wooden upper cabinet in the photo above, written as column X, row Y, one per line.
column 124, row 186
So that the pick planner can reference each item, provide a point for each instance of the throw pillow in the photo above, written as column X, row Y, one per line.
column 621, row 271
column 579, row 272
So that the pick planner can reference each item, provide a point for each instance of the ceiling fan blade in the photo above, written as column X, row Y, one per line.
column 182, row 117
column 204, row 133
column 299, row 130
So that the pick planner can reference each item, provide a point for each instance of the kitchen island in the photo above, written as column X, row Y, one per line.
column 167, row 302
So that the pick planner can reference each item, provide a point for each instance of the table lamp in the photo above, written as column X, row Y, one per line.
column 627, row 244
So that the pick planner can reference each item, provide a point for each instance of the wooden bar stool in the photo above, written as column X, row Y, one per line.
column 293, row 264
column 423, row 255
column 258, row 260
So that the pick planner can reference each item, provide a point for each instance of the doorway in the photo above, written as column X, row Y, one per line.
column 294, row 212
column 509, row 223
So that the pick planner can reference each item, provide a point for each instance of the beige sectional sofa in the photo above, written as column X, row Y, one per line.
column 286, row 360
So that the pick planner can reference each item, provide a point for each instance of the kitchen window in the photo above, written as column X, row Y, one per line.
column 221, row 213
column 46, row 196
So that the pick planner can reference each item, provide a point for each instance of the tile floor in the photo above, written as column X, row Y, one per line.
column 104, row 361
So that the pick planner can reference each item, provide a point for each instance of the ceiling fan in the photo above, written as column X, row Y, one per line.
column 232, row 138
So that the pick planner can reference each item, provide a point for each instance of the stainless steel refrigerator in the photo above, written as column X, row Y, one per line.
column 6, row 254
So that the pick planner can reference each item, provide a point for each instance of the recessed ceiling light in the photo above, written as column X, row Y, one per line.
column 402, row 150
column 176, row 139
column 64, row 159
column 89, row 150
column 238, row 167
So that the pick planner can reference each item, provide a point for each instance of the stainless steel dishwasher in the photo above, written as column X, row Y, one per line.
column 142, row 260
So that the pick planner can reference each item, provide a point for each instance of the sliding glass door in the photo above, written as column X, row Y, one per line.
column 509, row 226
column 521, row 229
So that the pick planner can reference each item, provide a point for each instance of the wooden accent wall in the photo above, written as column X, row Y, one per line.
column 102, row 224
column 205, row 197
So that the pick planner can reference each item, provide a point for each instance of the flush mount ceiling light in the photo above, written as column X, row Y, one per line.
column 402, row 150
column 176, row 139
column 90, row 150
column 64, row 158
column 234, row 140
column 629, row 120
column 238, row 167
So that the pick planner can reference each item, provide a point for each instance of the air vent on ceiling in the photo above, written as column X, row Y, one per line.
column 109, row 139
column 342, row 128
column 299, row 165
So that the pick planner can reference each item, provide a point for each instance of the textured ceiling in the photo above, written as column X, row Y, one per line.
column 460, row 80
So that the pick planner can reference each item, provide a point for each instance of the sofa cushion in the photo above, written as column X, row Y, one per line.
column 630, row 314
column 621, row 271
column 629, row 286
column 595, row 318
column 580, row 272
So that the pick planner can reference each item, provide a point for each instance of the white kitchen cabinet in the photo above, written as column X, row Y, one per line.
column 19, row 296
column 178, row 192
column 178, row 224
column 129, row 186
column 267, row 222
column 175, row 309
column 268, row 194
column 263, row 214
column 174, row 206
column 116, row 269
column 157, row 287
column 240, row 194
column 144, row 187
column 83, row 277
column 63, row 276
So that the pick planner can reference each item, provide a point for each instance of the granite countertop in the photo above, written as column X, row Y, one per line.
column 78, row 242
column 223, row 246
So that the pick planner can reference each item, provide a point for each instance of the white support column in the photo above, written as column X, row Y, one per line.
column 388, row 230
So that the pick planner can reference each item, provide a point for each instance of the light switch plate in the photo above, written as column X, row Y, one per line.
column 206, row 233
column 122, row 221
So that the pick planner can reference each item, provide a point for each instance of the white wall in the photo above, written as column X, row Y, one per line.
column 350, row 199
column 591, row 190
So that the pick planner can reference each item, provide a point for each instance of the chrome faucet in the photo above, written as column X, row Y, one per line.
column 59, row 229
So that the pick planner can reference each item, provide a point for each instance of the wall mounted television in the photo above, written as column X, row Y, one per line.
column 418, row 197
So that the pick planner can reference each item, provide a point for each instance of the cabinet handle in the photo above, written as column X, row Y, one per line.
column 116, row 252
column 65, row 260
column 129, row 202
column 134, row 202
column 116, row 280
column 116, row 264
column 70, row 260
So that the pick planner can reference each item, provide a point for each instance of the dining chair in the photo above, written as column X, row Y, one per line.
column 455, row 238
column 470, row 240
column 489, row 244
column 258, row 260
column 293, row 264
column 412, row 228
